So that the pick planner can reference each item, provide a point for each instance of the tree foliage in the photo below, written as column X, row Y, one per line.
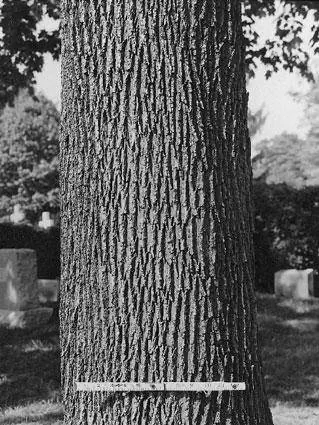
column 285, row 48
column 282, row 159
column 29, row 132
column 22, row 45
column 287, row 158
column 310, row 147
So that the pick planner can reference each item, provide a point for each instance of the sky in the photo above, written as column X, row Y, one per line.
column 283, row 112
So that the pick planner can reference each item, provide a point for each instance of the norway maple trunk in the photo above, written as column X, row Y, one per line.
column 157, row 257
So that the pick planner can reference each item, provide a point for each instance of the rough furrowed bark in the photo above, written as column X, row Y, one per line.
column 157, row 275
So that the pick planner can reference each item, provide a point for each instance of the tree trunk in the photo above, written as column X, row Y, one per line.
column 157, row 256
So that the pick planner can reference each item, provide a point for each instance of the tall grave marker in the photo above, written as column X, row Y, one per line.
column 19, row 296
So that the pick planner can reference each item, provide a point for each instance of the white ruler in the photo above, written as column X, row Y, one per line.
column 161, row 386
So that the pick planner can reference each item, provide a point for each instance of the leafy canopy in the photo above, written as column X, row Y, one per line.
column 29, row 134
column 286, row 158
column 286, row 48
column 282, row 160
column 22, row 45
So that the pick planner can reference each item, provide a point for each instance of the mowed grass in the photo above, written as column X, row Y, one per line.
column 289, row 337
column 30, row 376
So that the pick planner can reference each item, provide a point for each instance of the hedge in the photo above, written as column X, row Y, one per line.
column 286, row 230
column 46, row 243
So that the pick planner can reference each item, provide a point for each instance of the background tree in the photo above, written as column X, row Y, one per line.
column 29, row 132
column 282, row 159
column 22, row 45
column 311, row 147
column 157, row 256
column 285, row 49
column 287, row 158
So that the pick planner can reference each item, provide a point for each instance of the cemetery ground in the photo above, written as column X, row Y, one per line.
column 289, row 332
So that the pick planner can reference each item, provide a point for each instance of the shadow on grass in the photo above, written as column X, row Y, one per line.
column 29, row 366
column 289, row 338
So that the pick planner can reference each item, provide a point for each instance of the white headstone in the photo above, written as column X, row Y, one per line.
column 19, row 294
column 18, row 214
column 293, row 283
column 46, row 221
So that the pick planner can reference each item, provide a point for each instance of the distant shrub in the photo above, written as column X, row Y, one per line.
column 29, row 164
column 46, row 243
column 286, row 230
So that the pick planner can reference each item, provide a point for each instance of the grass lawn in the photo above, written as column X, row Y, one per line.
column 289, row 334
column 289, row 338
column 30, row 377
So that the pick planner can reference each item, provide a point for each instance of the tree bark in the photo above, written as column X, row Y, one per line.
column 157, row 256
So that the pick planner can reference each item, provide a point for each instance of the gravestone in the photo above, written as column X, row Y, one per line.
column 48, row 290
column 316, row 285
column 293, row 283
column 18, row 214
column 46, row 221
column 19, row 296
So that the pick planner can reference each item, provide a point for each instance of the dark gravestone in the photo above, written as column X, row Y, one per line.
column 316, row 285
